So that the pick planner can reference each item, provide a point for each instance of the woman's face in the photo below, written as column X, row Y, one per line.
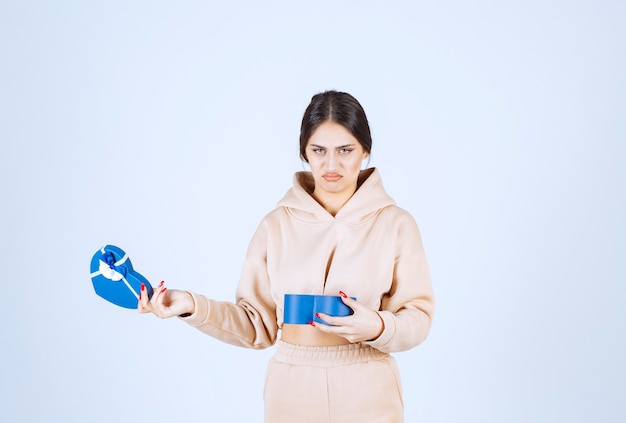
column 335, row 157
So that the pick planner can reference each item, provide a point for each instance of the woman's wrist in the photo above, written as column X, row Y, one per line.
column 382, row 327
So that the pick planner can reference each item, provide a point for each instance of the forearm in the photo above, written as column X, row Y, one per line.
column 237, row 324
column 402, row 331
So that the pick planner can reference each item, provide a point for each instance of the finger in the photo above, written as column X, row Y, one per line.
column 156, row 293
column 327, row 318
column 335, row 325
column 353, row 304
column 337, row 330
column 325, row 328
column 143, row 304
column 347, row 300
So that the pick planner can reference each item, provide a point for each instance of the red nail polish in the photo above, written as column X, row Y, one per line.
column 161, row 284
column 317, row 315
column 140, row 296
column 312, row 323
column 163, row 290
column 343, row 294
column 143, row 286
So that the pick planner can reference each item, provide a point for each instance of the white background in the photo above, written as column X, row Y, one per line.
column 171, row 128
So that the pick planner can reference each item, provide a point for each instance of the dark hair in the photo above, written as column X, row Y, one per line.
column 339, row 108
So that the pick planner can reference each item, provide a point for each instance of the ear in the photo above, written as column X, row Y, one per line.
column 366, row 155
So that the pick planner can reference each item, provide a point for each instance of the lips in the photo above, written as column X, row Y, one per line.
column 331, row 177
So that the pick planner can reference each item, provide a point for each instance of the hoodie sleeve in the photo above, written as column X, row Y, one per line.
column 250, row 321
column 407, row 309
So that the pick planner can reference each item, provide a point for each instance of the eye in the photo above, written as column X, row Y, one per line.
column 345, row 150
column 317, row 150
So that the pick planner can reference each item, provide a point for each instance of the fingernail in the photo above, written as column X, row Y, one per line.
column 139, row 295
column 317, row 315
column 161, row 284
column 343, row 294
column 163, row 290
column 143, row 286
column 312, row 323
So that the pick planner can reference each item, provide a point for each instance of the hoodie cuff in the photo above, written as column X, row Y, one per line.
column 389, row 331
column 201, row 310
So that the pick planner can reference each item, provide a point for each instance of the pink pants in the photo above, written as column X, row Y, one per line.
column 342, row 384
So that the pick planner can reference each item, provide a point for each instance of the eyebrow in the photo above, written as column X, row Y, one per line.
column 341, row 146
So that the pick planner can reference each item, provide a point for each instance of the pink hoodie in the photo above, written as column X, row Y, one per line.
column 371, row 249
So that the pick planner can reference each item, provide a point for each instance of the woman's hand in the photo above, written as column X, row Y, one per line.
column 165, row 302
column 363, row 325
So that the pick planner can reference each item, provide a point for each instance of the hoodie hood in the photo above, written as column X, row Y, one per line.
column 368, row 199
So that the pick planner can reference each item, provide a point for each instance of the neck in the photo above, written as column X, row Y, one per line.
column 333, row 202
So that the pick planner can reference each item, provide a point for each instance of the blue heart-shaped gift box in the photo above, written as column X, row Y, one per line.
column 114, row 278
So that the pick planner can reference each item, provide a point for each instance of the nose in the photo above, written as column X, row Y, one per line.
column 332, row 161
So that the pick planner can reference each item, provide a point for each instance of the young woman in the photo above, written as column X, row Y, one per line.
column 336, row 232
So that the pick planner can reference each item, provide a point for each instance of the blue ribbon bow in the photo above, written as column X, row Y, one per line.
column 109, row 259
